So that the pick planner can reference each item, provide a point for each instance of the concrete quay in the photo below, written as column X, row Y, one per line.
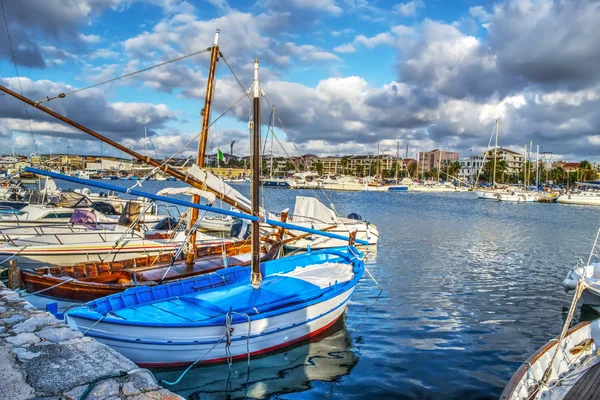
column 42, row 358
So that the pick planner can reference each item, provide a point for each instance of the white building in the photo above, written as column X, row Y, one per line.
column 469, row 167
column 107, row 165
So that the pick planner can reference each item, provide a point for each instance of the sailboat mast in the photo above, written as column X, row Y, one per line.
column 525, row 169
column 203, row 140
column 397, row 160
column 495, row 157
column 255, row 193
column 272, row 134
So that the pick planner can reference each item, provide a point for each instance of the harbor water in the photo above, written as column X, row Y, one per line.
column 471, row 288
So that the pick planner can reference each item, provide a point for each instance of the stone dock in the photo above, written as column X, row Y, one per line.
column 41, row 358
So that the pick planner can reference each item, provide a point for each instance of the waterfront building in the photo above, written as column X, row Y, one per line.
column 469, row 167
column 434, row 158
column 513, row 159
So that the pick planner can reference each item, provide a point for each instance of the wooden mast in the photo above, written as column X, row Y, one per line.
column 214, row 57
column 255, row 194
column 150, row 161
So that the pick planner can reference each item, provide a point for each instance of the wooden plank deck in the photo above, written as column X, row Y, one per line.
column 587, row 387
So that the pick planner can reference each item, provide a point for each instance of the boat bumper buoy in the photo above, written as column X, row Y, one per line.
column 569, row 284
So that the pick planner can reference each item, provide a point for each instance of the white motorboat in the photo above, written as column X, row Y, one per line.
column 345, row 183
column 305, row 180
column 585, row 198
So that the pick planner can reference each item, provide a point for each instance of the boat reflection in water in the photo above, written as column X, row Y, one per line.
column 326, row 357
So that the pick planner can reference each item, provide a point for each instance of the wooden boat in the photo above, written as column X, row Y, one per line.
column 573, row 373
column 567, row 367
column 89, row 281
column 217, row 316
column 232, row 313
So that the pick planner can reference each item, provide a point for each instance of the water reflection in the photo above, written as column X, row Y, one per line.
column 326, row 357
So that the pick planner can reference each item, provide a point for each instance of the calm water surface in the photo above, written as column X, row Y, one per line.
column 471, row 289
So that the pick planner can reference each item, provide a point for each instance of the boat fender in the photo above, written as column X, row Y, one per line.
column 355, row 216
column 239, row 229
column 569, row 284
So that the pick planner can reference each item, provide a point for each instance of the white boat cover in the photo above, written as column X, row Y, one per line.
column 323, row 275
column 310, row 208
column 190, row 191
column 218, row 185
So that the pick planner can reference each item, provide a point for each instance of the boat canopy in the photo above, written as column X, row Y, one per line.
column 190, row 191
column 311, row 209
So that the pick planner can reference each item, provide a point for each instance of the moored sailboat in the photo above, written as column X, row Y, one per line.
column 234, row 313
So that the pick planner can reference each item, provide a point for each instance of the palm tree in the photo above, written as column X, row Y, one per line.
column 586, row 170
column 501, row 167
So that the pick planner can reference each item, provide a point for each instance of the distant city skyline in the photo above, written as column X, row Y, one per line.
column 343, row 74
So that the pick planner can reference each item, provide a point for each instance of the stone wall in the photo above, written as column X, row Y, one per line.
column 40, row 357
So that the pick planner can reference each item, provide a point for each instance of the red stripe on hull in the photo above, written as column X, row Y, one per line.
column 244, row 356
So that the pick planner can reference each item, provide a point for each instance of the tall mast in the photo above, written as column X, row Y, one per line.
column 145, row 142
column 495, row 157
column 525, row 171
column 397, row 161
column 440, row 163
column 203, row 140
column 272, row 134
column 255, row 197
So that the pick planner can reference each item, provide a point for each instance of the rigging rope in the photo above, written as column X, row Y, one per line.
column 578, row 291
column 63, row 95
column 18, row 77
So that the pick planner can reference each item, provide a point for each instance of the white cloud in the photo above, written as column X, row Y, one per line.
column 383, row 38
column 345, row 48
column 408, row 9
column 102, row 53
column 90, row 39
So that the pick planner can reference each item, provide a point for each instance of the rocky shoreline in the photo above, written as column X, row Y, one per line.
column 42, row 358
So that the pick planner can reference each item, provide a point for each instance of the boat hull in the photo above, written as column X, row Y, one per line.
column 524, row 384
column 584, row 200
column 183, row 347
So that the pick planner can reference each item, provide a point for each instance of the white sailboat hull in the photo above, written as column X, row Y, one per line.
column 518, row 197
column 181, row 345
column 591, row 199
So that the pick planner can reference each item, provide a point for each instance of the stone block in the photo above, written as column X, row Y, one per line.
column 33, row 323
column 58, row 335
column 24, row 354
column 103, row 390
column 23, row 339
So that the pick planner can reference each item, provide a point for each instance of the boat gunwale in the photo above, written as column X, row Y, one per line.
column 517, row 377
column 241, row 321
column 87, row 312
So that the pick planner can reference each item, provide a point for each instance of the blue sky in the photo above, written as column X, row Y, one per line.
column 343, row 74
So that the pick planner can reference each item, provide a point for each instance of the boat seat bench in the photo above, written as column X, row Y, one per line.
column 274, row 292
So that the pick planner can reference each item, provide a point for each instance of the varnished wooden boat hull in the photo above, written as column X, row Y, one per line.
column 94, row 280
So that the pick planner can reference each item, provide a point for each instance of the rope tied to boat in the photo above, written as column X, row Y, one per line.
column 49, row 288
column 581, row 286
column 229, row 333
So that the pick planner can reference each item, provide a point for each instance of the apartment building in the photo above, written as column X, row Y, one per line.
column 434, row 158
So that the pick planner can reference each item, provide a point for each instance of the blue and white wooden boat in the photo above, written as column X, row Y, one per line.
column 181, row 322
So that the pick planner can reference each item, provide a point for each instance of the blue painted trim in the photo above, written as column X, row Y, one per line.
column 87, row 312
column 244, row 338
column 184, row 203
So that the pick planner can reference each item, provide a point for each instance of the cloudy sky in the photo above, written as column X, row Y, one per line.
column 343, row 74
